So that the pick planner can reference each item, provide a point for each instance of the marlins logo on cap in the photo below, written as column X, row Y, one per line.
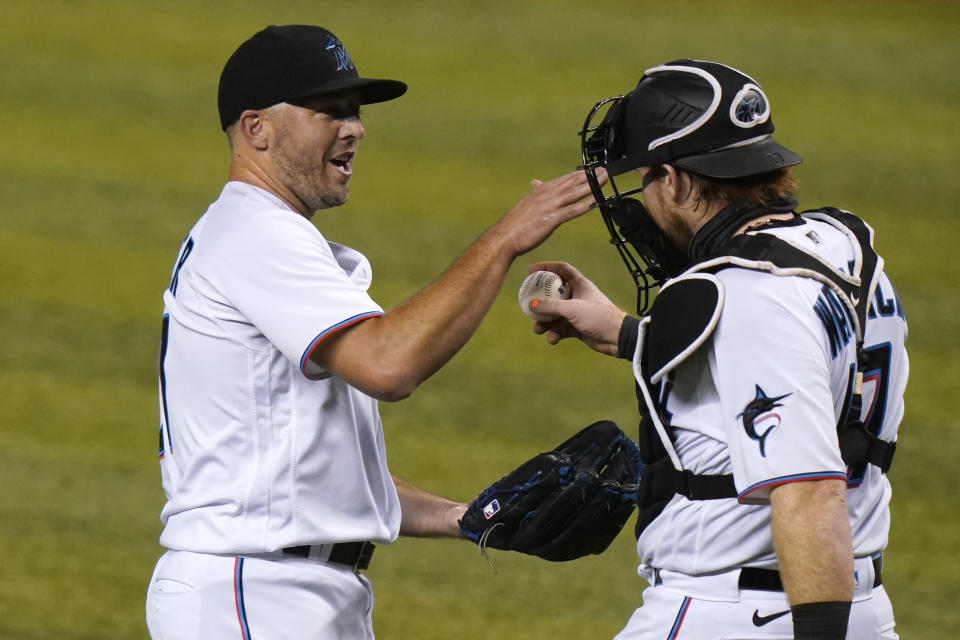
column 341, row 55
column 287, row 62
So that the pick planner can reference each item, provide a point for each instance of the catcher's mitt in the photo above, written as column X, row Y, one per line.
column 562, row 504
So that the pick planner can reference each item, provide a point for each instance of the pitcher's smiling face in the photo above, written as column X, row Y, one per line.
column 315, row 141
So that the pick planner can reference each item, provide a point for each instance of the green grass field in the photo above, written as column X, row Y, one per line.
column 112, row 150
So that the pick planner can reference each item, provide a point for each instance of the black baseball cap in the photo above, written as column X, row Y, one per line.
column 702, row 116
column 286, row 62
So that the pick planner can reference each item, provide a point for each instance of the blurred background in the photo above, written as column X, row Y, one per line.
column 112, row 148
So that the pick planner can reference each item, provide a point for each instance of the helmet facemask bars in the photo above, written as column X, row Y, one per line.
column 645, row 250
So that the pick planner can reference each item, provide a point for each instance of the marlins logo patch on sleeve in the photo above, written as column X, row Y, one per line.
column 759, row 417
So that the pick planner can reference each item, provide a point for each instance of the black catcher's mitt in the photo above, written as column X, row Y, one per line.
column 562, row 504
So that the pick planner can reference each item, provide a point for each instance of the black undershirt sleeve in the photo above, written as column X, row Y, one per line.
column 627, row 343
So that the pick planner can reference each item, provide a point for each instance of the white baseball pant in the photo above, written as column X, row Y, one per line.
column 197, row 596
column 697, row 607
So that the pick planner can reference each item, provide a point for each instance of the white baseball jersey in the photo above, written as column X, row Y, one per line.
column 761, row 400
column 261, row 449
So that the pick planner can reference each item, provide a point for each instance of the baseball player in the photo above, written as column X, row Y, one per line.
column 770, row 368
column 273, row 357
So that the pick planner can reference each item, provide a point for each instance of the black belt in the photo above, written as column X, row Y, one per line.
column 769, row 579
column 355, row 555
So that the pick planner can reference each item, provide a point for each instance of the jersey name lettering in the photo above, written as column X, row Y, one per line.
column 886, row 306
column 836, row 320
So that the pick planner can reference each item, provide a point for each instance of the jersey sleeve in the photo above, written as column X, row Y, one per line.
column 295, row 287
column 774, row 377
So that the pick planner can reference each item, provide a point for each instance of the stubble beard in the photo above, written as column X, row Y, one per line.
column 304, row 175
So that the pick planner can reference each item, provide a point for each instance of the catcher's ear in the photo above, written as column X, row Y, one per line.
column 678, row 184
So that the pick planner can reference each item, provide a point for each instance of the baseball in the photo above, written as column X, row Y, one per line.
column 541, row 285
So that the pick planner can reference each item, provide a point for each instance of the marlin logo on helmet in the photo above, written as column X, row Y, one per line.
column 749, row 107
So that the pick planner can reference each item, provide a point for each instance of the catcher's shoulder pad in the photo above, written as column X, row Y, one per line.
column 683, row 316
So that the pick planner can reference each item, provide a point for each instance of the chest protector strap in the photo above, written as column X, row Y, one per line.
column 683, row 318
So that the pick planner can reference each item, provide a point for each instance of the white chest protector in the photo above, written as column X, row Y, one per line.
column 686, row 315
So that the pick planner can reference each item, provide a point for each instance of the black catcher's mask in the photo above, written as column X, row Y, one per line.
column 702, row 117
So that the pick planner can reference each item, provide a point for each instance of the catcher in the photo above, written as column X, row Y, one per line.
column 770, row 368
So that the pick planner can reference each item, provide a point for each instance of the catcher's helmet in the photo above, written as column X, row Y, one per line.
column 704, row 117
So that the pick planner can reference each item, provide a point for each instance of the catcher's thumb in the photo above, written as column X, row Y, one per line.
column 547, row 307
